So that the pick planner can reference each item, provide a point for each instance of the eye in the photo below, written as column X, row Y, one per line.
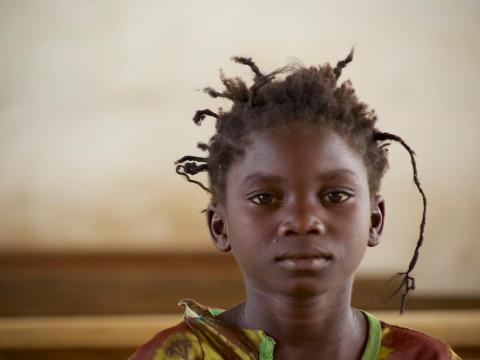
column 263, row 199
column 336, row 196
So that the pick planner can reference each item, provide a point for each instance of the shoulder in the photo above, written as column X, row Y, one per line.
column 175, row 343
column 403, row 343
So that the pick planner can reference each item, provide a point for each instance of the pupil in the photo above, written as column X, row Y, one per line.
column 265, row 199
column 335, row 196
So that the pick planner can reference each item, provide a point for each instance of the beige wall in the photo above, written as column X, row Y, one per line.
column 96, row 99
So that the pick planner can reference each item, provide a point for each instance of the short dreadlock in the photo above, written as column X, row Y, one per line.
column 310, row 94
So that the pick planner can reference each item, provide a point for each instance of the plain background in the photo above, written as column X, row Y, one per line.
column 96, row 101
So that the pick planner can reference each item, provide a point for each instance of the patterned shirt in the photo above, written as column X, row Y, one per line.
column 201, row 336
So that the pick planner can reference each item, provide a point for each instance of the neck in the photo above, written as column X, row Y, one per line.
column 322, row 325
column 299, row 321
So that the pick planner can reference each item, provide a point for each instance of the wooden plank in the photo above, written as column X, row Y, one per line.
column 139, row 283
column 82, row 331
column 460, row 328
column 66, row 354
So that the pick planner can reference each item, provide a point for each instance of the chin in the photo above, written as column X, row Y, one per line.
column 314, row 286
column 304, row 288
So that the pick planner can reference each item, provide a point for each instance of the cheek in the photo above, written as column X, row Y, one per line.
column 248, row 233
column 353, row 219
column 251, row 238
column 351, row 228
column 244, row 219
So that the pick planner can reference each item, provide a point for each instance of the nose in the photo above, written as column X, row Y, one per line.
column 302, row 219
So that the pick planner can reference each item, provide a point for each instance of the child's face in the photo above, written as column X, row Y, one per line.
column 298, row 214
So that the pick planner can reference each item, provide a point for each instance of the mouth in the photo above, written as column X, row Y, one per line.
column 315, row 260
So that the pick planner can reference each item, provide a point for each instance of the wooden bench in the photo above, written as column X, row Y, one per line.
column 460, row 328
column 100, row 306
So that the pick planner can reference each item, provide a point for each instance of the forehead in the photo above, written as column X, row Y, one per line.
column 298, row 149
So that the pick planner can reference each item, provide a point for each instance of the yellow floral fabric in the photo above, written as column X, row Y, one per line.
column 201, row 336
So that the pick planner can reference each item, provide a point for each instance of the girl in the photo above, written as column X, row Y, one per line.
column 294, row 173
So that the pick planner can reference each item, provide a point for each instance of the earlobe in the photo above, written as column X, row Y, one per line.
column 218, row 228
column 377, row 219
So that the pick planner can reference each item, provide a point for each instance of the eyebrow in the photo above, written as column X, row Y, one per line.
column 259, row 177
column 338, row 173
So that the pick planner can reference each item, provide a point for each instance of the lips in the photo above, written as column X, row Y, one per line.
column 304, row 254
column 305, row 260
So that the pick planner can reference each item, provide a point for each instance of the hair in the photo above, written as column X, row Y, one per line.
column 305, row 94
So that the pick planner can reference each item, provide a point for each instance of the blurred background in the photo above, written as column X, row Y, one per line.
column 96, row 102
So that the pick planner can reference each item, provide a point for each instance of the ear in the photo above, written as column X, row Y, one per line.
column 218, row 227
column 377, row 219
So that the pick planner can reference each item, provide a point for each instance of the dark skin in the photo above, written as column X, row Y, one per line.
column 298, row 217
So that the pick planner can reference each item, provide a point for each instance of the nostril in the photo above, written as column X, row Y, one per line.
column 287, row 228
column 290, row 232
column 317, row 227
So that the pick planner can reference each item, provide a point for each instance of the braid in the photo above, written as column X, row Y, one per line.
column 202, row 146
column 341, row 64
column 189, row 165
column 248, row 62
column 408, row 281
column 259, row 80
column 214, row 93
column 200, row 115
